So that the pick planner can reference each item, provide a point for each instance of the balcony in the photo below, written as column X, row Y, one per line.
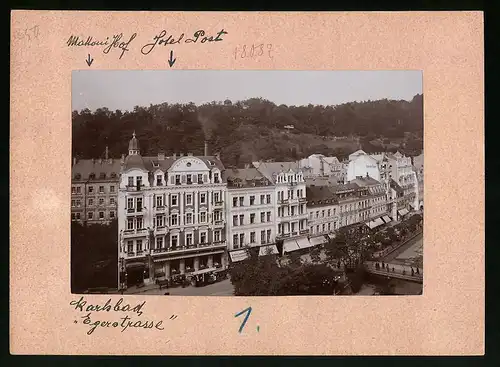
column 304, row 231
column 132, row 255
column 302, row 200
column 284, row 202
column 281, row 236
column 134, row 211
column 189, row 248
column 134, row 232
column 219, row 223
column 132, row 188
column 160, row 209
column 160, row 230
column 218, row 204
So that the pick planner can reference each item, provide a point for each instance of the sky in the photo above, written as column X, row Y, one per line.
column 124, row 89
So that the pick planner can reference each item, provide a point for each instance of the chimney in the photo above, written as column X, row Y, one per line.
column 123, row 158
column 74, row 161
column 181, row 154
column 161, row 156
column 190, row 154
column 107, row 153
column 175, row 155
column 205, row 151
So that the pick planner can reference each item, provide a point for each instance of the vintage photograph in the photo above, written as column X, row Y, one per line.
column 247, row 183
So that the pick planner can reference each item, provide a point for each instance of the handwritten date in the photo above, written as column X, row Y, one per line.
column 253, row 51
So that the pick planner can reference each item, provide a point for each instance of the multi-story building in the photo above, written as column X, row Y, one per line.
column 251, row 204
column 317, row 165
column 171, row 214
column 418, row 168
column 290, row 210
column 323, row 210
column 94, row 190
column 379, row 210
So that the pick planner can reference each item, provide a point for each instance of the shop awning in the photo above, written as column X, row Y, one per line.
column 386, row 219
column 379, row 222
column 202, row 271
column 371, row 224
column 303, row 242
column 403, row 212
column 331, row 236
column 135, row 265
column 316, row 241
column 238, row 255
column 264, row 250
column 290, row 245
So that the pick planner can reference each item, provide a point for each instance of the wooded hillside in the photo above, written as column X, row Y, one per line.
column 253, row 129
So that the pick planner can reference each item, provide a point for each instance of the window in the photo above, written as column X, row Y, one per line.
column 235, row 202
column 242, row 239
column 329, row 227
column 216, row 236
column 217, row 215
column 78, row 190
column 203, row 217
column 262, row 199
column 158, row 180
column 73, row 216
column 189, row 199
column 177, row 179
column 293, row 211
column 317, row 228
column 91, row 202
column 242, row 216
column 130, row 246
column 189, row 239
column 139, row 204
column 130, row 181
column 101, row 215
column 130, row 224
column 111, row 201
column 262, row 237
column 241, row 200
column 203, row 237
column 262, row 217
column 139, row 180
column 200, row 178
column 174, row 220
column 235, row 240
column 252, row 237
column 252, row 200
column 73, row 189
column 159, row 221
column 322, row 213
column 78, row 217
column 268, row 198
column 317, row 213
column 73, row 203
column 101, row 201
column 203, row 198
column 139, row 246
column 189, row 180
column 235, row 220
column 101, row 189
column 174, row 239
column 91, row 189
column 159, row 201
column 112, row 214
column 112, row 188
column 90, row 215
column 189, row 218
column 216, row 177
column 329, row 212
column 159, row 242
column 268, row 236
column 174, row 200
column 216, row 197
column 268, row 216
column 139, row 222
column 252, row 218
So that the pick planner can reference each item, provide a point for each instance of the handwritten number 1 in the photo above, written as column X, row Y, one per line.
column 248, row 311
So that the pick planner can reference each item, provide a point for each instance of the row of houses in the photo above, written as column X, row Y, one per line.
column 189, row 214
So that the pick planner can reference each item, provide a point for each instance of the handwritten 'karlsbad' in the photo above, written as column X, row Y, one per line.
column 198, row 36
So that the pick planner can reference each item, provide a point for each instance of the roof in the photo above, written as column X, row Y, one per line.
column 418, row 161
column 245, row 177
column 85, row 167
column 330, row 160
column 346, row 187
column 268, row 169
column 320, row 195
column 396, row 186
column 133, row 143
column 321, row 181
column 152, row 164
column 365, row 181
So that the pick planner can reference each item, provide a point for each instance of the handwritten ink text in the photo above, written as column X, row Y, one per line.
column 162, row 39
column 253, row 51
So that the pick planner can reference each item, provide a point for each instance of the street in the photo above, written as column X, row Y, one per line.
column 222, row 288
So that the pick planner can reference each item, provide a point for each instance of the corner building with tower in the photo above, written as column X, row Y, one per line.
column 171, row 215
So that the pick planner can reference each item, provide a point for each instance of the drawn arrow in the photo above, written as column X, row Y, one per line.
column 171, row 61
column 89, row 61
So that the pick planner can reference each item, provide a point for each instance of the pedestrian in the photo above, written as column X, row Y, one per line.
column 418, row 271
column 404, row 271
column 393, row 269
column 412, row 272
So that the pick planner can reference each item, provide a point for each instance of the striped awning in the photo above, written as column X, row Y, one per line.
column 316, row 241
column 386, row 219
column 290, row 245
column 371, row 224
column 303, row 242
column 264, row 250
column 403, row 211
column 379, row 222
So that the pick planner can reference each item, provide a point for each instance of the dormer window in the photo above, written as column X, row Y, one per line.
column 102, row 176
column 211, row 163
column 92, row 176
column 78, row 176
column 113, row 175
column 156, row 164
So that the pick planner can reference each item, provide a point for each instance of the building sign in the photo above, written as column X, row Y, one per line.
column 238, row 255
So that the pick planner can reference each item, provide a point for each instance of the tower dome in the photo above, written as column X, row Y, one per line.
column 133, row 145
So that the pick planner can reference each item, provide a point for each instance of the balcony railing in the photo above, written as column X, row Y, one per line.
column 135, row 211
column 134, row 187
column 219, row 222
column 302, row 200
column 304, row 231
column 283, row 201
column 188, row 248
column 160, row 208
